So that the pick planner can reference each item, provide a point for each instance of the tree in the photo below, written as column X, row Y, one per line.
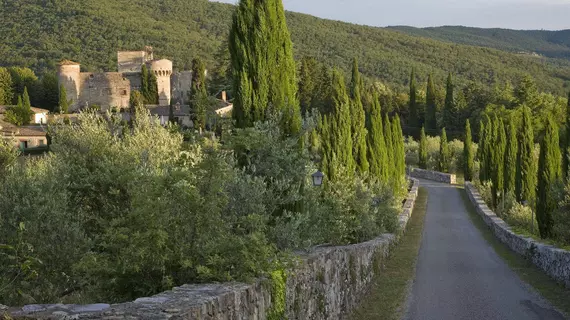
column 450, row 113
column 431, row 106
column 26, row 100
column 262, row 65
column 23, row 78
column 488, row 140
column 50, row 90
column 307, row 83
column 63, row 105
column 526, row 164
column 468, row 165
column 414, row 118
column 152, row 89
column 511, row 152
column 136, row 103
column 199, row 101
column 19, row 115
column 566, row 145
column 549, row 175
column 423, row 153
column 481, row 151
column 145, row 77
column 6, row 87
column 376, row 144
column 358, row 118
column 443, row 163
column 498, row 158
column 399, row 154
column 390, row 153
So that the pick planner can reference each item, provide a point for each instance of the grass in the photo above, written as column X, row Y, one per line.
column 387, row 296
column 552, row 291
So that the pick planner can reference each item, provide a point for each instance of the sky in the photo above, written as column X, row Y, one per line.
column 510, row 14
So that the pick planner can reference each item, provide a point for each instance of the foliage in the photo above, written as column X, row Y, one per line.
column 511, row 151
column 431, row 105
column 498, row 159
column 399, row 157
column 414, row 118
column 6, row 91
column 278, row 292
column 526, row 178
column 561, row 217
column 468, row 161
column 21, row 114
column 444, row 156
column 549, row 176
column 566, row 144
column 423, row 152
column 358, row 121
column 63, row 105
column 8, row 154
column 377, row 154
column 263, row 68
column 149, row 86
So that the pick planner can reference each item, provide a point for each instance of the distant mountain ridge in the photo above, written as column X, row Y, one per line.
column 551, row 44
column 39, row 33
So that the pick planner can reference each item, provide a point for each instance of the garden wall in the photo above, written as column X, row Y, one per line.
column 554, row 261
column 325, row 283
column 432, row 175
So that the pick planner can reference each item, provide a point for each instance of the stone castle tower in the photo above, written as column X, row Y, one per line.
column 113, row 89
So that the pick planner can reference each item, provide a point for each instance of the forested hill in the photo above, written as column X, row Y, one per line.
column 552, row 44
column 39, row 33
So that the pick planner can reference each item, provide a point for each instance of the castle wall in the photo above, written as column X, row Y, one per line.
column 69, row 77
column 181, row 82
column 109, row 89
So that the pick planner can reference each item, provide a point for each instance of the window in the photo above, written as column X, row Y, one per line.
column 124, row 92
column 42, row 142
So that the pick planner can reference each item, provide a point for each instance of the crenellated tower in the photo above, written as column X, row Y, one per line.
column 163, row 71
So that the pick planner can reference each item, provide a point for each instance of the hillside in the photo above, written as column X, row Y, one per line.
column 38, row 33
column 551, row 44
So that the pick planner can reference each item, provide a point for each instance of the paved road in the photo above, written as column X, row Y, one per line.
column 459, row 276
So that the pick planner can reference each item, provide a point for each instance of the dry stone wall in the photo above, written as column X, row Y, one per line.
column 554, row 261
column 432, row 175
column 325, row 283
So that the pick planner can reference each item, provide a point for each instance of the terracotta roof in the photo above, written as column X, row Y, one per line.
column 34, row 109
column 27, row 131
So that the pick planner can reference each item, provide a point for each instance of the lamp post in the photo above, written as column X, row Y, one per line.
column 318, row 178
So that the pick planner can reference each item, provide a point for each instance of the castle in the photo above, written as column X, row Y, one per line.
column 113, row 89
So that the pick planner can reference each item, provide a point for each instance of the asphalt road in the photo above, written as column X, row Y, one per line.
column 459, row 276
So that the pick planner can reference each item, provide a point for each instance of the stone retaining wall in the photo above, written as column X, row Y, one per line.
column 326, row 283
column 554, row 261
column 432, row 175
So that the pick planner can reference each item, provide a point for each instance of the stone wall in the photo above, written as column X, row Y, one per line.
column 432, row 175
column 326, row 283
column 555, row 262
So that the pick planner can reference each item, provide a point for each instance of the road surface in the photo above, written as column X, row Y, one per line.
column 459, row 276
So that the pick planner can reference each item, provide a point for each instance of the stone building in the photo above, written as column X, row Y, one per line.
column 113, row 89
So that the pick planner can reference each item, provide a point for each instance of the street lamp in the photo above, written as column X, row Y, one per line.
column 318, row 178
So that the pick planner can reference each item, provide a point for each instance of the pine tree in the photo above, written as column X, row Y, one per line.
column 526, row 164
column 431, row 106
column 414, row 120
column 450, row 115
column 263, row 68
column 549, row 174
column 63, row 106
column 468, row 165
column 144, row 84
column 511, row 157
column 481, row 151
column 422, row 152
column 566, row 150
column 443, row 161
column 376, row 143
column 358, row 118
column 499, row 145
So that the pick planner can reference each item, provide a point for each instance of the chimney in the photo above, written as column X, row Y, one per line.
column 224, row 96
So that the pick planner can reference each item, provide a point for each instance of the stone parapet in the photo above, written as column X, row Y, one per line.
column 432, row 175
column 325, row 283
column 553, row 261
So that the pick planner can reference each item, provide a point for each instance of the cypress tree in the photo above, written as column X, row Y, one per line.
column 199, row 92
column 263, row 68
column 511, row 157
column 449, row 109
column 144, row 84
column 566, row 150
column 526, row 165
column 152, row 89
column 499, row 145
column 307, row 83
column 376, row 142
column 399, row 154
column 487, row 152
column 390, row 164
column 431, row 116
column 443, row 163
column 423, row 153
column 481, row 151
column 358, row 118
column 414, row 120
column 63, row 105
column 468, row 153
column 549, row 174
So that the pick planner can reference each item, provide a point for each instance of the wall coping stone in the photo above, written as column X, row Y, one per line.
column 555, row 262
column 327, row 282
column 432, row 175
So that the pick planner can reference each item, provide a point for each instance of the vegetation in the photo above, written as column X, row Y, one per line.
column 423, row 152
column 21, row 114
column 443, row 153
column 468, row 158
column 358, row 121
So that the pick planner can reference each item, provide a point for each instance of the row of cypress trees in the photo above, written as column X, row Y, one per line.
column 506, row 155
column 444, row 152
